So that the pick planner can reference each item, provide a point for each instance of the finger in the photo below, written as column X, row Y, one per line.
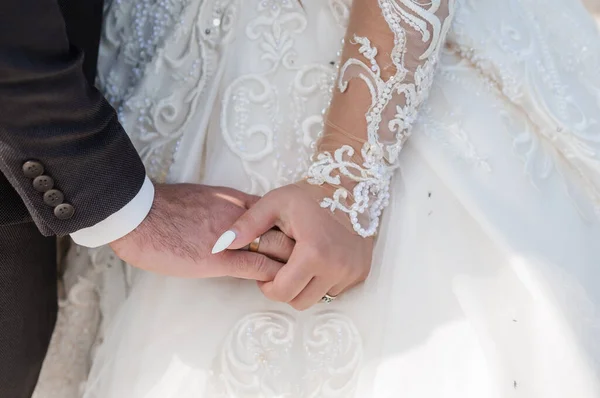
column 312, row 294
column 291, row 279
column 248, row 265
column 256, row 221
column 341, row 288
column 276, row 245
column 288, row 283
column 338, row 289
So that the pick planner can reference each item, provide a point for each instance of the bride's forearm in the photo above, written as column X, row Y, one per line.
column 386, row 71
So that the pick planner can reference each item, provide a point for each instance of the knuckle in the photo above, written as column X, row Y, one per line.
column 277, row 238
column 268, row 240
column 295, row 205
column 299, row 306
column 274, row 294
column 314, row 253
column 260, row 264
column 341, row 268
column 282, row 241
column 355, row 273
column 274, row 197
column 268, row 294
column 239, row 265
column 245, row 265
column 281, row 294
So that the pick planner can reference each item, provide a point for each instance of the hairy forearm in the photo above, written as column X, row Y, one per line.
column 386, row 71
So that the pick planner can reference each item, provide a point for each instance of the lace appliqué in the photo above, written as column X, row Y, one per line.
column 260, row 357
column 166, row 57
column 386, row 129
column 266, row 127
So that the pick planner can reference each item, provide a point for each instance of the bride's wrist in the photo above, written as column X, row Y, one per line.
column 319, row 192
column 357, row 183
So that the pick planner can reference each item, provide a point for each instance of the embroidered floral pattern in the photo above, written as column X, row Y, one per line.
column 261, row 356
column 386, row 130
column 160, row 44
column 260, row 123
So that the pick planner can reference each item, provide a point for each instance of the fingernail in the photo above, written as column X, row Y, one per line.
column 223, row 242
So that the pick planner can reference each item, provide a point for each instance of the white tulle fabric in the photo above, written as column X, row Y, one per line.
column 485, row 273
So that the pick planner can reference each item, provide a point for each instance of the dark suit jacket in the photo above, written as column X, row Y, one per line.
column 50, row 113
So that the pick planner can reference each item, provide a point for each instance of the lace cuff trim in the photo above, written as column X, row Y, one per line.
column 393, row 109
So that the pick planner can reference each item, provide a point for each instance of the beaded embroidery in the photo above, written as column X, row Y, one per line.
column 403, row 91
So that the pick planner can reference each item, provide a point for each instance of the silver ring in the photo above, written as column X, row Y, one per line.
column 327, row 298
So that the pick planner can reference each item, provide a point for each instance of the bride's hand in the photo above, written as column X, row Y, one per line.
column 328, row 257
column 185, row 220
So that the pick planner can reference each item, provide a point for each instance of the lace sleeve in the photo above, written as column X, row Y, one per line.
column 391, row 47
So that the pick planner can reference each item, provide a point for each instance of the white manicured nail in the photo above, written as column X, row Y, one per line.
column 223, row 242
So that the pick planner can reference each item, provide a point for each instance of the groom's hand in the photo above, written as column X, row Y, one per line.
column 185, row 221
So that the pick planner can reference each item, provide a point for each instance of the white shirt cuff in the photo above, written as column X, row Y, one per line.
column 120, row 223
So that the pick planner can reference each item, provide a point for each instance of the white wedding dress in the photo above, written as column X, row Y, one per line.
column 487, row 265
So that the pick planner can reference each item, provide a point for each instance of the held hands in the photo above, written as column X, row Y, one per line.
column 327, row 259
column 176, row 237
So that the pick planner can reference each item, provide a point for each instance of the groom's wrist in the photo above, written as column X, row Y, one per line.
column 120, row 223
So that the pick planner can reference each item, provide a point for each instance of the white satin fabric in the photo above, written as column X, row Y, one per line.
column 486, row 271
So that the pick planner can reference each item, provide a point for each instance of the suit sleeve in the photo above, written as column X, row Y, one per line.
column 61, row 145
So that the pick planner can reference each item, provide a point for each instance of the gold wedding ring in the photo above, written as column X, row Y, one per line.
column 254, row 245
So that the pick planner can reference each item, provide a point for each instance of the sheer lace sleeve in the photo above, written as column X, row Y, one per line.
column 387, row 68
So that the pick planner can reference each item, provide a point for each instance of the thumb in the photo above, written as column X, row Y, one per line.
column 257, row 220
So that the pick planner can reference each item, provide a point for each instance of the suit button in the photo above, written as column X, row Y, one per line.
column 53, row 197
column 32, row 169
column 64, row 211
column 43, row 183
